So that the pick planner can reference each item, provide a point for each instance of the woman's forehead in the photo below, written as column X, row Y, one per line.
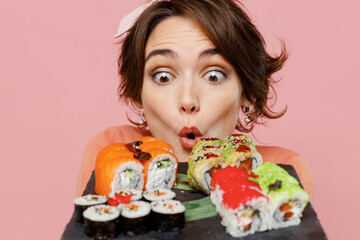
column 178, row 33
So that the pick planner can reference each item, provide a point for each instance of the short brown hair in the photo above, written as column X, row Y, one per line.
column 230, row 30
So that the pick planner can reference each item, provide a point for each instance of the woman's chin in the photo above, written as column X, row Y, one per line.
column 182, row 154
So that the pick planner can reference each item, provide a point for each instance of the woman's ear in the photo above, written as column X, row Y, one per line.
column 135, row 104
column 244, row 102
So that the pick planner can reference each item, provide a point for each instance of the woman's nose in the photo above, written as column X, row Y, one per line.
column 189, row 97
column 189, row 108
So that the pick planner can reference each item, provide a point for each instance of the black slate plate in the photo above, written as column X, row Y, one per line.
column 211, row 228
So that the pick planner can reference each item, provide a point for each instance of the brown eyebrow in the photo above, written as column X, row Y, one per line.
column 168, row 52
column 161, row 52
column 209, row 52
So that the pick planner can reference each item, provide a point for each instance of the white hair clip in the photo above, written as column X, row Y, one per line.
column 128, row 21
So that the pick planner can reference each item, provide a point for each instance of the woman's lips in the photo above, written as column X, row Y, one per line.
column 189, row 136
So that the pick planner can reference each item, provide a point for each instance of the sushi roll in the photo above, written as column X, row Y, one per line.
column 122, row 166
column 117, row 172
column 241, row 137
column 241, row 153
column 211, row 154
column 124, row 196
column 205, row 144
column 101, row 221
column 202, row 165
column 155, row 143
column 160, row 170
column 128, row 176
column 83, row 202
column 158, row 194
column 287, row 198
column 160, row 163
column 168, row 215
column 239, row 202
column 145, row 143
column 109, row 149
column 135, row 218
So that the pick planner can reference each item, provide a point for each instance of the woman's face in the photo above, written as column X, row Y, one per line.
column 189, row 91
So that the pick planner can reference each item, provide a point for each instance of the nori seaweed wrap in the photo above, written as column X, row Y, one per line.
column 135, row 218
column 101, row 221
column 83, row 202
column 168, row 215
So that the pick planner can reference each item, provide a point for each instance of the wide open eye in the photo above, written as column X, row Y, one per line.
column 162, row 77
column 215, row 76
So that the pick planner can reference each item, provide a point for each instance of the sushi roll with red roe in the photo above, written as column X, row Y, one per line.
column 168, row 215
column 239, row 202
column 83, row 202
column 101, row 221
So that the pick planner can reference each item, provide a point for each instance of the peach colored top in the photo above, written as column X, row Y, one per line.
column 127, row 133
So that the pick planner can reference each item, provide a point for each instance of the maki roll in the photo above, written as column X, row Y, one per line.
column 118, row 173
column 168, row 215
column 109, row 149
column 211, row 154
column 158, row 194
column 124, row 196
column 160, row 170
column 135, row 218
column 83, row 202
column 287, row 198
column 202, row 165
column 132, row 194
column 205, row 144
column 151, row 142
column 123, row 166
column 101, row 221
column 205, row 159
column 240, row 151
column 160, row 164
column 239, row 202
column 243, row 138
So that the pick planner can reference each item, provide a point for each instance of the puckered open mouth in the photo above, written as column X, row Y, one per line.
column 189, row 136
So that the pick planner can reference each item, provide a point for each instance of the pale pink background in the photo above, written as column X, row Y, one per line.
column 58, row 88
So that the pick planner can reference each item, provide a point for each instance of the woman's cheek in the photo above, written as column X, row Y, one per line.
column 157, row 106
column 224, row 111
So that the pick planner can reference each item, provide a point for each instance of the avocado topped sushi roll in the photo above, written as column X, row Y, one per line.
column 240, row 151
column 211, row 154
column 287, row 198
column 205, row 144
column 202, row 165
